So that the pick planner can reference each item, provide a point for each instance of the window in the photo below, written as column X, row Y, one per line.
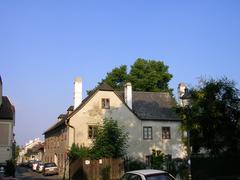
column 105, row 103
column 92, row 131
column 147, row 132
column 166, row 134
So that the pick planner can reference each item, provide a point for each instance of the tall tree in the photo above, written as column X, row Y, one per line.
column 213, row 117
column 145, row 75
column 117, row 77
column 149, row 75
column 111, row 140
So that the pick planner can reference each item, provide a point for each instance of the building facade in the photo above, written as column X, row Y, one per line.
column 147, row 117
column 32, row 150
column 7, row 122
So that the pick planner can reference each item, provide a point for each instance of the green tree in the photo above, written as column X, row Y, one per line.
column 78, row 152
column 213, row 117
column 17, row 150
column 145, row 75
column 111, row 141
column 117, row 77
column 149, row 75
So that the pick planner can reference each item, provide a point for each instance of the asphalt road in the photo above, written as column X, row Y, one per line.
column 23, row 173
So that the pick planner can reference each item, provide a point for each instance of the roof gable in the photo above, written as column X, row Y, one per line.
column 64, row 117
column 146, row 105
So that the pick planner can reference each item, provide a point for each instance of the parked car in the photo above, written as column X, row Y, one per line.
column 50, row 169
column 147, row 174
column 34, row 165
column 40, row 166
column 30, row 163
column 2, row 170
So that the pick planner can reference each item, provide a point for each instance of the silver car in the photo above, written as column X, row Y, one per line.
column 50, row 169
column 147, row 174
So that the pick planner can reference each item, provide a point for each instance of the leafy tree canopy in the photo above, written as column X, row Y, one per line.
column 213, row 117
column 145, row 75
column 111, row 141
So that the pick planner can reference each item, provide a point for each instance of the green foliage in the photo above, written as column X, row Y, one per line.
column 149, row 75
column 117, row 77
column 131, row 164
column 145, row 75
column 178, row 166
column 212, row 117
column 10, row 168
column 157, row 159
column 111, row 141
column 78, row 152
column 17, row 150
column 105, row 173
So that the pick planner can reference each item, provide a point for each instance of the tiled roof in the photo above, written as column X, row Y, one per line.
column 152, row 105
column 146, row 105
column 7, row 110
column 57, row 124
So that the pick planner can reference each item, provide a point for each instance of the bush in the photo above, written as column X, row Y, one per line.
column 157, row 159
column 77, row 152
column 131, row 164
column 111, row 141
column 10, row 168
column 180, row 167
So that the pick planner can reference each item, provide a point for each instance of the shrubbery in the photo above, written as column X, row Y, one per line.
column 131, row 164
column 10, row 168
column 77, row 152
column 110, row 141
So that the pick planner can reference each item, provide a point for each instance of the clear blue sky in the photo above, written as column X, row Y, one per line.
column 45, row 44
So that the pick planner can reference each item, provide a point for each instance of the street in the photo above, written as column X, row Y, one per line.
column 23, row 173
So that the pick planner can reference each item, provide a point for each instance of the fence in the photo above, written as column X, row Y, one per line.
column 103, row 169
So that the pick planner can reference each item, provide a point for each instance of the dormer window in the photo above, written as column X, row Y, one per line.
column 105, row 103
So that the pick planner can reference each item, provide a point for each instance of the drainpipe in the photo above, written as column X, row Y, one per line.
column 68, row 125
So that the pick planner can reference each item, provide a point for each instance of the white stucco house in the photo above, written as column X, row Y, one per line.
column 32, row 150
column 148, row 117
column 7, row 122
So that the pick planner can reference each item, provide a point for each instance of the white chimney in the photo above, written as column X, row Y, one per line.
column 77, row 92
column 0, row 91
column 128, row 94
column 182, row 89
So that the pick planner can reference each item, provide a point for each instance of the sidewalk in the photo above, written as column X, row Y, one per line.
column 7, row 178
